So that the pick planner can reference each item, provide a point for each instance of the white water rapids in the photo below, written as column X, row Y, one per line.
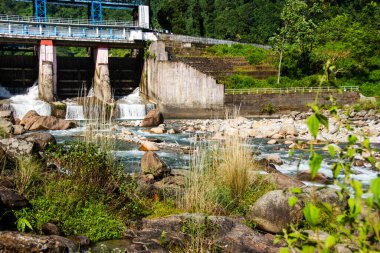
column 133, row 106
column 21, row 104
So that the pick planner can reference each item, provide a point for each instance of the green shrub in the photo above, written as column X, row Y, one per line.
column 254, row 55
column 91, row 195
column 90, row 218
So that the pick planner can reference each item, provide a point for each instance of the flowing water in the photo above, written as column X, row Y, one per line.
column 130, row 156
column 74, row 112
column 133, row 106
column 21, row 104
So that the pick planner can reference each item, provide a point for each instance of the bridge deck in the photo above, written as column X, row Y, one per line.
column 75, row 30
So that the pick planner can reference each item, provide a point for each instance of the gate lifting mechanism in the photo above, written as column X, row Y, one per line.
column 95, row 7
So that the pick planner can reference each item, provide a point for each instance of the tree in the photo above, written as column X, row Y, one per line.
column 297, row 28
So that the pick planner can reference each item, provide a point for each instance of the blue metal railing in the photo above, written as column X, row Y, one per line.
column 13, row 26
column 13, row 19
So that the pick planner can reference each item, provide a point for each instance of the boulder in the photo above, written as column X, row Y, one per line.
column 288, row 128
column 6, row 126
column 29, row 243
column 272, row 212
column 51, row 123
column 358, row 163
column 152, row 119
column 50, row 229
column 157, row 130
column 220, row 232
column 15, row 147
column 272, row 142
column 18, row 130
column 272, row 158
column 283, row 181
column 32, row 121
column 306, row 176
column 41, row 139
column 80, row 240
column 152, row 164
column 11, row 200
column 29, row 118
column 148, row 146
column 8, row 115
column 173, row 131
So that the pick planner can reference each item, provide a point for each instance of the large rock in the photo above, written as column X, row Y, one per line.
column 6, row 126
column 8, row 115
column 18, row 130
column 288, row 128
column 306, row 176
column 15, row 147
column 33, row 121
column 41, row 139
column 272, row 212
column 152, row 119
column 148, row 146
column 51, row 123
column 50, row 229
column 11, row 242
column 224, row 233
column 11, row 200
column 152, row 164
column 272, row 158
column 29, row 118
column 283, row 181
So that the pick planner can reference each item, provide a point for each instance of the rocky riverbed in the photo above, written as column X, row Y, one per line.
column 161, row 149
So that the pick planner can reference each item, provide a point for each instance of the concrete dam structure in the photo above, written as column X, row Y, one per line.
column 170, row 70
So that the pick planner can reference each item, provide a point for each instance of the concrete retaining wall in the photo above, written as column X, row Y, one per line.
column 251, row 104
column 178, row 87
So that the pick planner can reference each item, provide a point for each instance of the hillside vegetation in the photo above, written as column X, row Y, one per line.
column 339, row 39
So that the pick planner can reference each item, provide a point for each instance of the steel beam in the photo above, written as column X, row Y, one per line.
column 96, row 12
column 39, row 9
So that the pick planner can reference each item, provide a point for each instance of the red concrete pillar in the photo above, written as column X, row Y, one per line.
column 102, row 82
column 47, row 77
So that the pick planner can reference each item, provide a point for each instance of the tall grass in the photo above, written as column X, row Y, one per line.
column 28, row 171
column 219, row 177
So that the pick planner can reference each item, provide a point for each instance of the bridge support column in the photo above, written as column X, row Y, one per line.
column 102, row 83
column 47, row 76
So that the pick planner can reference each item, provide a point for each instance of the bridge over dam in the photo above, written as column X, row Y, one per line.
column 170, row 70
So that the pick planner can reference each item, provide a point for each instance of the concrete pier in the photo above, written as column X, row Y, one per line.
column 47, row 76
column 102, row 83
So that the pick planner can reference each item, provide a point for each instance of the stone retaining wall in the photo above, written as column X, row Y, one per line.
column 257, row 103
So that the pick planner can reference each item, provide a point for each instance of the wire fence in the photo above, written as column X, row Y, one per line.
column 291, row 90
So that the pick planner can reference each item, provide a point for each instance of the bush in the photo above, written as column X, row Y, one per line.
column 88, row 195
column 254, row 55
column 57, row 204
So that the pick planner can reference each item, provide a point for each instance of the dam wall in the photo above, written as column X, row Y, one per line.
column 178, row 89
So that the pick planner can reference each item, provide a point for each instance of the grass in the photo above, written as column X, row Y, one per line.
column 254, row 55
column 88, row 192
column 28, row 172
column 222, row 179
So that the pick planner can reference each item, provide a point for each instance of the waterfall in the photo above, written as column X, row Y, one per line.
column 74, row 112
column 131, row 111
column 133, row 107
column 21, row 104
